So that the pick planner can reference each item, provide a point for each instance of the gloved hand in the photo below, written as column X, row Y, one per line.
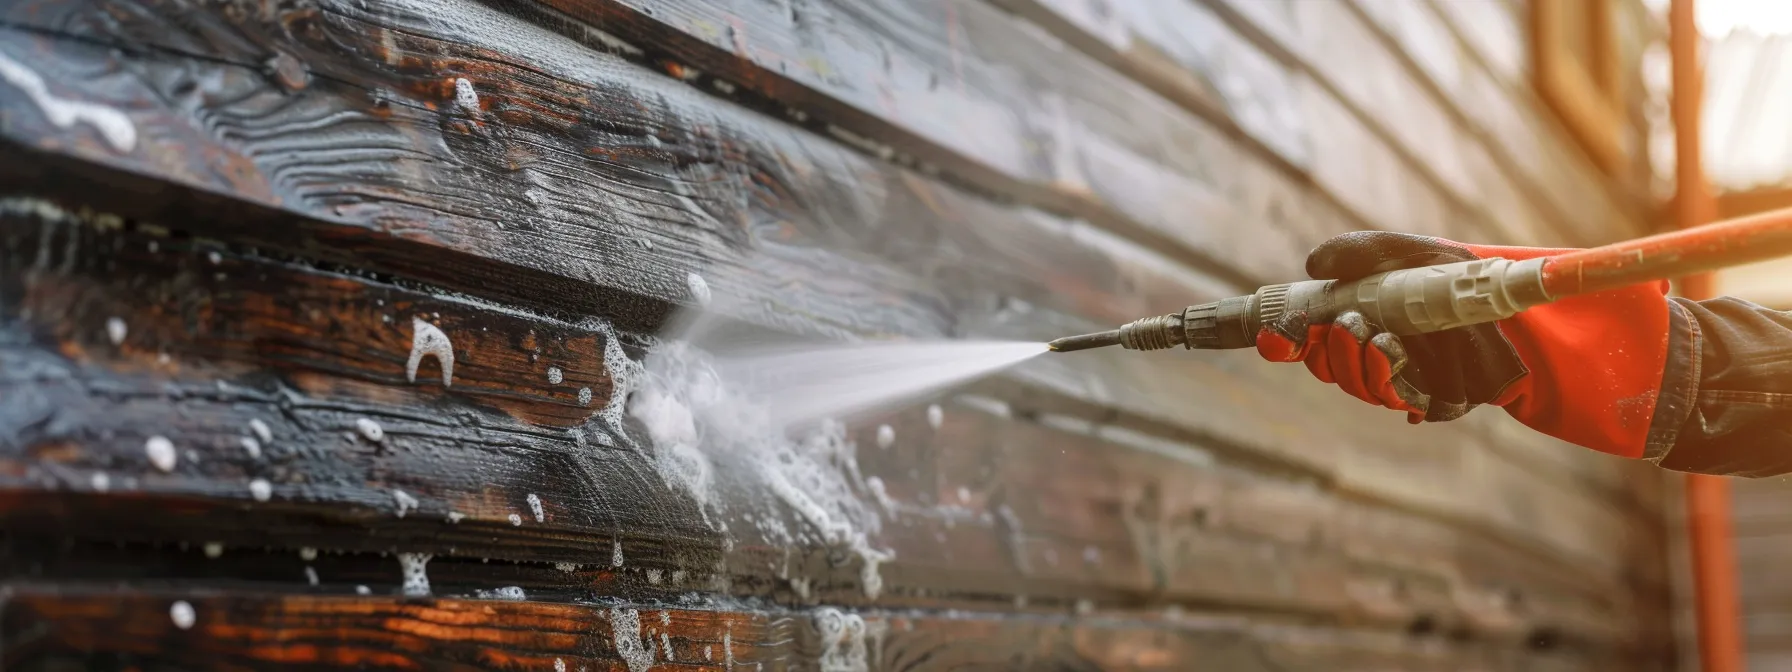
column 1585, row 369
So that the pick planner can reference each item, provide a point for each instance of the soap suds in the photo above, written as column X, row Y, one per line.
column 516, row 520
column 112, row 125
column 116, row 330
column 665, row 617
column 456, row 516
column 615, row 554
column 666, row 644
column 625, row 624
column 842, row 641
column 654, row 576
column 427, row 340
column 260, row 430
column 568, row 567
column 406, row 503
column 559, row 665
column 584, row 396
column 370, row 429
column 180, row 612
column 535, row 508
column 416, row 576
column 160, row 451
column 514, row 593
column 554, row 375
column 886, row 436
column 251, row 446
column 465, row 96
column 261, row 490
column 699, row 288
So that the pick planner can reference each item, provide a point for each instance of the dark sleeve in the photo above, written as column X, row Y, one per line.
column 1726, row 399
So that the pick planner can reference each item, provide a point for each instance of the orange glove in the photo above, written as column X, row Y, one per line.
column 1586, row 369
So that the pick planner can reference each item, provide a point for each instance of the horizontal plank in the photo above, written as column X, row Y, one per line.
column 54, row 627
column 974, row 83
column 883, row 259
column 215, row 356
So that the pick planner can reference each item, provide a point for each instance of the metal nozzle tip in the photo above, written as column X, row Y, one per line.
column 1085, row 341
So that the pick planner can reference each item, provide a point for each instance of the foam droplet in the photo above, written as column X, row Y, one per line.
column 554, row 375
column 161, row 453
column 116, row 330
column 699, row 288
column 370, row 429
column 307, row 554
column 886, row 436
column 363, row 590
column 935, row 416
column 514, row 593
column 516, row 520
column 251, row 446
column 535, row 507
column 416, row 576
column 615, row 554
column 260, row 430
column 405, row 502
column 465, row 96
column 182, row 614
column 214, row 549
column 584, row 396
column 261, row 490
column 625, row 624
column 101, row 482
column 427, row 340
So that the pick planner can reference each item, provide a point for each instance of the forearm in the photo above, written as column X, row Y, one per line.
column 1725, row 405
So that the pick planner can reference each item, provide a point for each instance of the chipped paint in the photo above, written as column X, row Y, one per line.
column 113, row 125
column 428, row 340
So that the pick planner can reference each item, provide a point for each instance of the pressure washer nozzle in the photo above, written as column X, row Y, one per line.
column 1100, row 339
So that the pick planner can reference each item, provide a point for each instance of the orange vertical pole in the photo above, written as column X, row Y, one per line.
column 1708, row 524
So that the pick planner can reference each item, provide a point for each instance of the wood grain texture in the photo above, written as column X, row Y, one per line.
column 826, row 225
column 1032, row 504
column 56, row 627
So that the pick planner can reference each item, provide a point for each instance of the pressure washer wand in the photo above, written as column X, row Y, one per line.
column 1435, row 298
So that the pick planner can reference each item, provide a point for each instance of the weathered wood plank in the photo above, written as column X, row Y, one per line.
column 54, row 627
column 1057, row 509
column 1494, row 87
column 965, row 75
column 811, row 219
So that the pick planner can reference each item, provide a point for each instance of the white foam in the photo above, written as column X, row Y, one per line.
column 416, row 575
column 625, row 625
column 161, row 453
column 370, row 429
column 116, row 330
column 260, row 489
column 428, row 340
column 465, row 96
column 555, row 376
column 100, row 481
column 180, row 612
column 615, row 554
column 514, row 593
column 699, row 288
column 559, row 665
column 568, row 567
column 535, row 507
column 842, row 641
column 310, row 575
column 260, row 430
column 363, row 590
column 935, row 416
column 251, row 446
column 113, row 125
column 886, row 436
column 406, row 503
column 516, row 520
column 307, row 553
column 214, row 549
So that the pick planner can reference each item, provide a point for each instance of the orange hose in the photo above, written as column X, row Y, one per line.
column 1708, row 525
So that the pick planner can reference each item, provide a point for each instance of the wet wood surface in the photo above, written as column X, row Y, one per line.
column 255, row 214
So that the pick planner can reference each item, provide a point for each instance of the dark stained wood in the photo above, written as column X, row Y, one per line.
column 303, row 184
column 1051, row 510
column 55, row 627
column 1211, row 397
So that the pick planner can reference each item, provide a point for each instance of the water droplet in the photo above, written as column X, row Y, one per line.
column 161, row 453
